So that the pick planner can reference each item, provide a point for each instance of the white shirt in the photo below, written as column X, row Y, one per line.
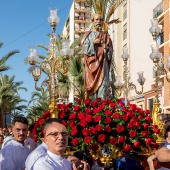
column 29, row 142
column 34, row 155
column 50, row 161
column 13, row 156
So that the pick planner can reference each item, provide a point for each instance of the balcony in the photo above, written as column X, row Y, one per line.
column 158, row 10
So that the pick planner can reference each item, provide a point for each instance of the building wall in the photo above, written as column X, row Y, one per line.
column 166, row 50
column 139, row 39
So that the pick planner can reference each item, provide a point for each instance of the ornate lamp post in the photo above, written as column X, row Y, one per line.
column 157, row 59
column 127, row 85
column 50, row 64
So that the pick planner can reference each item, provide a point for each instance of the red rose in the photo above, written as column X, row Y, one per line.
column 101, row 137
column 41, row 122
column 125, row 117
column 94, row 103
column 85, row 132
column 148, row 141
column 79, row 100
column 88, row 110
column 69, row 104
column 76, row 108
column 121, row 139
column 107, row 120
column 145, row 126
column 88, row 118
column 75, row 141
column 98, row 99
column 124, row 109
column 108, row 128
column 71, row 123
column 113, row 141
column 101, row 106
column 130, row 113
column 148, row 118
column 81, row 115
column 147, row 112
column 97, row 118
column 96, row 110
column 145, row 134
column 137, row 124
column 140, row 117
column 132, row 133
column 108, row 112
column 61, row 115
column 87, row 139
column 120, row 102
column 127, row 148
column 92, row 130
column 112, row 105
column 132, row 107
column 98, row 128
column 105, row 102
column 120, row 128
column 156, row 130
column 154, row 127
column 72, row 116
column 87, row 102
column 73, row 131
column 64, row 122
column 83, row 123
column 136, row 144
column 116, row 116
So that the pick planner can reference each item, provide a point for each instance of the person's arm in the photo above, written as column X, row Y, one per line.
column 163, row 154
column 150, row 162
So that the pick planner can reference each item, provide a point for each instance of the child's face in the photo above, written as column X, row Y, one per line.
column 168, row 137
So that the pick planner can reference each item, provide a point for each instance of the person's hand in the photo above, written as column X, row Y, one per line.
column 81, row 165
column 96, row 41
column 151, row 158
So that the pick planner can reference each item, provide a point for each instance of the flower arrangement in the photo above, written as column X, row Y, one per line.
column 105, row 122
column 108, row 122
column 39, row 127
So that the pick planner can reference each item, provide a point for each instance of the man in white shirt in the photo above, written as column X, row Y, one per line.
column 34, row 155
column 13, row 155
column 56, row 138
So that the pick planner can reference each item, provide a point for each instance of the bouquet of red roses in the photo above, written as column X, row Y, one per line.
column 108, row 122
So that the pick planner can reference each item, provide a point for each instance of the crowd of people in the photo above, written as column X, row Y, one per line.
column 20, row 152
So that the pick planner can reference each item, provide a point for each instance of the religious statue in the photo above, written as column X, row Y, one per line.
column 97, row 49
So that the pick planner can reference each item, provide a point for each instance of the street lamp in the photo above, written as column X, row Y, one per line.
column 158, row 62
column 50, row 64
column 127, row 85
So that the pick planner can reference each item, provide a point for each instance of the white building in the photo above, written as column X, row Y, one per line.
column 133, row 33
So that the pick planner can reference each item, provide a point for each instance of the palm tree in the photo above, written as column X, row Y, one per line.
column 10, row 100
column 38, row 104
column 3, row 66
column 106, row 8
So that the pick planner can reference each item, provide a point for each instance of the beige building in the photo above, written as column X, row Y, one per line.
column 133, row 33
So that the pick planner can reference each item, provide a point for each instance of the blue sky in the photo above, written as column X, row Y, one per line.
column 23, row 24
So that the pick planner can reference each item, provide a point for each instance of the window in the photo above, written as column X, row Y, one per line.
column 124, row 11
column 125, row 31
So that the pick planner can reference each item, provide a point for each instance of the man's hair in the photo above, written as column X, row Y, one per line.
column 50, row 121
column 31, row 127
column 166, row 131
column 2, row 136
column 20, row 119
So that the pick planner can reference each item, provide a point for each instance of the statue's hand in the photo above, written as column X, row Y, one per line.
column 96, row 41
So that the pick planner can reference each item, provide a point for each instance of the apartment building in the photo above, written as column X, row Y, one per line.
column 133, row 33
column 162, row 13
column 79, row 21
